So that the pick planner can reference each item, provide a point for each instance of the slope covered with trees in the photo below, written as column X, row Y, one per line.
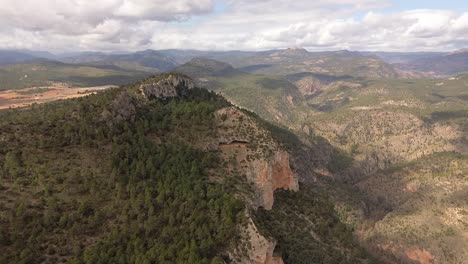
column 119, row 178
column 78, row 187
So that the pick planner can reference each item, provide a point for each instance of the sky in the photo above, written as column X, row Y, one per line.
column 130, row 25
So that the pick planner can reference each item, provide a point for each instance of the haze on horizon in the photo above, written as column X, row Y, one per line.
column 129, row 25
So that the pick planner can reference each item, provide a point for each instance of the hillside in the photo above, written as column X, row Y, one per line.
column 12, row 57
column 271, row 97
column 156, row 171
column 202, row 67
column 451, row 63
column 34, row 74
column 375, row 125
column 297, row 60
column 144, row 61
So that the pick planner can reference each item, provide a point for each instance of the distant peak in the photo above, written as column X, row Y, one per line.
column 459, row 51
column 296, row 51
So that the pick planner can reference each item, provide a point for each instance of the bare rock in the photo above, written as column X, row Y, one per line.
column 270, row 175
column 172, row 86
column 259, row 249
column 122, row 108
column 250, row 150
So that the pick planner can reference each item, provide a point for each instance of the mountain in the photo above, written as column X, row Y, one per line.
column 84, row 57
column 160, row 171
column 297, row 60
column 270, row 62
column 278, row 96
column 147, row 60
column 21, row 70
column 39, row 54
column 37, row 74
column 184, row 56
column 402, row 57
column 201, row 67
column 11, row 57
column 292, row 52
column 451, row 63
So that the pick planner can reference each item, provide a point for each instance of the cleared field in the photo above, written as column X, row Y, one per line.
column 39, row 95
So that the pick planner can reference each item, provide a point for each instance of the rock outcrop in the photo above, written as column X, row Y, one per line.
column 250, row 150
column 270, row 175
column 253, row 152
column 257, row 248
column 172, row 86
column 122, row 108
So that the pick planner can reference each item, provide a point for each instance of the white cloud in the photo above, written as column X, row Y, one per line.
column 244, row 24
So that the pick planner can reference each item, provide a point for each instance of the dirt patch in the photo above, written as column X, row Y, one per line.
column 40, row 95
column 359, row 108
column 421, row 255
column 411, row 188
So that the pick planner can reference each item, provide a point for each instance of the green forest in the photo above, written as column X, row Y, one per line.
column 78, row 188
column 116, row 178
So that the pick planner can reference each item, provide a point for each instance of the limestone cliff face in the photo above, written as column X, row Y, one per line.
column 270, row 175
column 124, row 106
column 250, row 150
column 253, row 152
column 257, row 250
column 172, row 86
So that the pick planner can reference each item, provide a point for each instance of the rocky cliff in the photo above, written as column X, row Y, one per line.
column 270, row 175
column 257, row 250
column 171, row 86
column 251, row 151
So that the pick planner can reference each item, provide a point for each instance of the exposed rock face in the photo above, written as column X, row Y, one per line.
column 250, row 150
column 259, row 249
column 123, row 108
column 271, row 175
column 172, row 86
column 256, row 154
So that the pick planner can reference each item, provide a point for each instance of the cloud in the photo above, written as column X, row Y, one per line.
column 63, row 25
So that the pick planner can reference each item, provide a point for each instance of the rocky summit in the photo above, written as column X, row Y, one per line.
column 171, row 86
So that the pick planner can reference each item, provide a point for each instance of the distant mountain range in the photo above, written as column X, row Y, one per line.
column 112, row 66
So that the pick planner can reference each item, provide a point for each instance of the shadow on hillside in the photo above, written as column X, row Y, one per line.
column 253, row 68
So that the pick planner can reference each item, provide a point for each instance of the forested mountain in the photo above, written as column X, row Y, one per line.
column 48, row 73
column 441, row 64
column 11, row 57
column 158, row 172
